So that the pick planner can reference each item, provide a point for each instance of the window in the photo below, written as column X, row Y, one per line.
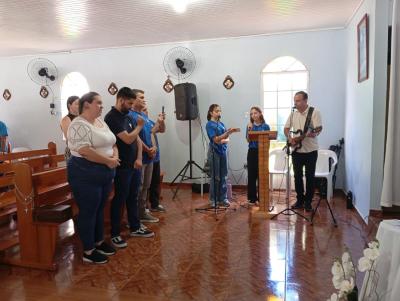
column 281, row 79
column 74, row 83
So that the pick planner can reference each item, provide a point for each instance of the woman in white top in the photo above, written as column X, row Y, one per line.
column 91, row 170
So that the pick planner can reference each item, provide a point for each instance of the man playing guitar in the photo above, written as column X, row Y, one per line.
column 302, row 128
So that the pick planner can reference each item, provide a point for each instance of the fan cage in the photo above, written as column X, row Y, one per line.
column 170, row 64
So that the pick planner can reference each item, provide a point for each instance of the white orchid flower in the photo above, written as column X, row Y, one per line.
column 346, row 257
column 337, row 268
column 371, row 254
column 337, row 281
column 348, row 269
column 347, row 285
column 373, row 244
column 364, row 264
column 334, row 297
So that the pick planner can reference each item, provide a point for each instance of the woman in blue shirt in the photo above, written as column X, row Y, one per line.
column 257, row 123
column 218, row 135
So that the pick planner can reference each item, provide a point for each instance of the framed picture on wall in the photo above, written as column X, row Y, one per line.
column 362, row 48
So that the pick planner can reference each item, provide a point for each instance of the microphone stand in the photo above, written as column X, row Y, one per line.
column 288, row 210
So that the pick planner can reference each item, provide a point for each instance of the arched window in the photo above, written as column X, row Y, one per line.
column 74, row 83
column 281, row 79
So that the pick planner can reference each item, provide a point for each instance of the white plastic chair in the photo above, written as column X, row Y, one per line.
column 20, row 149
column 322, row 169
column 278, row 166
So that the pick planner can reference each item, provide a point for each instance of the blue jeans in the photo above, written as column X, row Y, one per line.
column 90, row 184
column 219, row 172
column 127, row 184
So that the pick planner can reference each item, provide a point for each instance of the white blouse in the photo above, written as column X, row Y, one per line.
column 82, row 133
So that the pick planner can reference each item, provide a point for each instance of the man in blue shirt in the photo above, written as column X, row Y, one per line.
column 127, row 177
column 3, row 137
column 154, row 195
column 149, row 152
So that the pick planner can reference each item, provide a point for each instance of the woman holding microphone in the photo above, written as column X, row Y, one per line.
column 219, row 137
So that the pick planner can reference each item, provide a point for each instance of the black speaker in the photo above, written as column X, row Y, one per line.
column 186, row 101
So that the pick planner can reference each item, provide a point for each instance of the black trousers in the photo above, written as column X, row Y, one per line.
column 307, row 161
column 154, row 193
column 252, row 174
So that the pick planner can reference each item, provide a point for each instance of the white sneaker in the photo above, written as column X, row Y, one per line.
column 148, row 218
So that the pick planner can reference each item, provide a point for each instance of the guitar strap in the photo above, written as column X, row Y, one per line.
column 308, row 120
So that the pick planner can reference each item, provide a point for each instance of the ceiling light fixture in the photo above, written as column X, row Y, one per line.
column 180, row 5
column 73, row 16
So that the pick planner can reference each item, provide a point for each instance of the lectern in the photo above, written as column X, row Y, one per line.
column 263, row 138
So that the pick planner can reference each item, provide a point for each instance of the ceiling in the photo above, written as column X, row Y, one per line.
column 43, row 26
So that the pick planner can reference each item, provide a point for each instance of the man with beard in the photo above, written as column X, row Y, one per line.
column 128, row 174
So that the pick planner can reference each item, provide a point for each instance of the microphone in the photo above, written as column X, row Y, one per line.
column 219, row 117
column 293, row 108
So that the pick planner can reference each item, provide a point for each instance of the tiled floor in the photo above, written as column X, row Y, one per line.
column 240, row 256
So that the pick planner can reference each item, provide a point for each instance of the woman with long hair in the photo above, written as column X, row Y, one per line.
column 73, row 111
column 257, row 123
column 91, row 170
column 219, row 137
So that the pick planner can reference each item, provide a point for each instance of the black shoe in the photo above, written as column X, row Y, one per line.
column 118, row 242
column 96, row 257
column 308, row 208
column 298, row 205
column 142, row 232
column 105, row 249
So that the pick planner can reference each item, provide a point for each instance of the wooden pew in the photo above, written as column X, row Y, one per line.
column 12, row 157
column 37, row 192
column 38, row 160
column 8, row 206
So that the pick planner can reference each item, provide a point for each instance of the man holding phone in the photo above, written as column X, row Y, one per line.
column 154, row 191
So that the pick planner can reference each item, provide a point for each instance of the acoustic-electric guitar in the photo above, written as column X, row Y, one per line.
column 297, row 141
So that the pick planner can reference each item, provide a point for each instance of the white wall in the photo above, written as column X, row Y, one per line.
column 365, row 109
column 323, row 52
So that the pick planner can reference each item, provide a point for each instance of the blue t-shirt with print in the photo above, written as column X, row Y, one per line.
column 157, row 157
column 255, row 127
column 145, row 133
column 216, row 129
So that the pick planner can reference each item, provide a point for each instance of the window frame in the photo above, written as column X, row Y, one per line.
column 280, row 143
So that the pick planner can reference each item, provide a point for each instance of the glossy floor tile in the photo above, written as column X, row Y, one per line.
column 232, row 255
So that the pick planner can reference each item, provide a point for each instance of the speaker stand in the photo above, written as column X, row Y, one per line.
column 188, row 166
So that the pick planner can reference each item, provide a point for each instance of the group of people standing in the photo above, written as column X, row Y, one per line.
column 122, row 149
column 301, row 129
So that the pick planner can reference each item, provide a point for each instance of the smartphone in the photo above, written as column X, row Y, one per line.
column 162, row 110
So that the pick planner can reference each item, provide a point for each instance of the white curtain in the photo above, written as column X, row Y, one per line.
column 391, row 177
